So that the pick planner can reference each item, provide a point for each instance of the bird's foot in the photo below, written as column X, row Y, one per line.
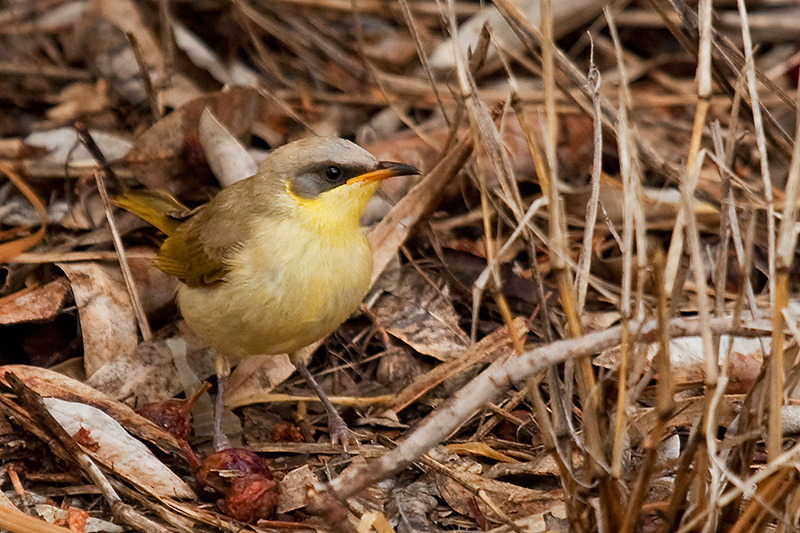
column 340, row 433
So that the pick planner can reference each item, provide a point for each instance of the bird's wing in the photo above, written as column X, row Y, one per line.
column 196, row 252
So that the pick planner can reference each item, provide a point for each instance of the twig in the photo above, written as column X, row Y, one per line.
column 133, row 292
column 504, row 374
column 33, row 402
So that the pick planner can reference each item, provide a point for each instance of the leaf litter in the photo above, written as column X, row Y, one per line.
column 503, row 374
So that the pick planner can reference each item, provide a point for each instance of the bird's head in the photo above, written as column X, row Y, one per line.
column 327, row 180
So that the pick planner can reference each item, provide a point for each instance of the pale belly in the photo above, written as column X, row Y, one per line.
column 274, row 306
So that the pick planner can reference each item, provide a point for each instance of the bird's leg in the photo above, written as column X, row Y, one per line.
column 219, row 439
column 340, row 433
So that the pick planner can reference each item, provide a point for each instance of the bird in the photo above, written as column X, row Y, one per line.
column 276, row 261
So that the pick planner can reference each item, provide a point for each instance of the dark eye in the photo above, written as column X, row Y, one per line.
column 333, row 173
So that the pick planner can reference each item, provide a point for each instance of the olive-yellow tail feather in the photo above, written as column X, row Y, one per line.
column 156, row 207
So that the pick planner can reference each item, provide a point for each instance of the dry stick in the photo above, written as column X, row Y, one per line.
column 585, row 261
column 99, row 174
column 499, row 377
column 665, row 404
column 122, row 511
column 168, row 42
column 531, row 37
column 701, row 112
column 787, row 240
column 774, row 431
column 34, row 258
column 146, row 79
column 127, row 275
column 501, row 414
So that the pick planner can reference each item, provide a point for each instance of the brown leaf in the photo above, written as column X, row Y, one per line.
column 108, row 324
column 513, row 500
column 51, row 384
column 34, row 304
column 171, row 147
column 422, row 316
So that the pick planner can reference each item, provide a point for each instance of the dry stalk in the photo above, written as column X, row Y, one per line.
column 585, row 261
column 559, row 245
column 502, row 375
column 701, row 112
column 710, row 369
column 665, row 402
column 784, row 255
column 633, row 225
column 774, row 436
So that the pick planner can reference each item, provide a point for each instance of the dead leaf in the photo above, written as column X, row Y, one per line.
column 148, row 373
column 171, row 147
column 35, row 304
column 513, row 500
column 79, row 99
column 49, row 384
column 118, row 450
column 422, row 316
column 228, row 159
column 108, row 325
column 294, row 489
column 255, row 376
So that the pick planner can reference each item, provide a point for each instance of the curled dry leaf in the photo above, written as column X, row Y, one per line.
column 256, row 376
column 149, row 373
column 228, row 159
column 53, row 514
column 687, row 360
column 34, row 304
column 80, row 99
column 294, row 489
column 171, row 147
column 661, row 206
column 48, row 383
column 63, row 148
column 422, row 316
column 566, row 17
column 11, row 249
column 512, row 499
column 108, row 324
column 118, row 450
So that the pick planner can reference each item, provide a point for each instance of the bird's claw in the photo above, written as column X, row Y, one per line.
column 341, row 434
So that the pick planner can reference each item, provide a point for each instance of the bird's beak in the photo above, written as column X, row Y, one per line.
column 386, row 169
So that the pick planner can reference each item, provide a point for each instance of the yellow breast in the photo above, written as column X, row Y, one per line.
column 291, row 283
